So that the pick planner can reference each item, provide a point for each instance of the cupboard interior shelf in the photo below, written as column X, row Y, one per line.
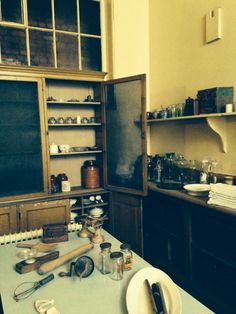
column 74, row 208
column 216, row 122
column 87, row 152
column 213, row 255
column 64, row 102
column 73, row 124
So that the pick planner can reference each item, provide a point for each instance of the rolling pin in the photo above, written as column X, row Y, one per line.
column 49, row 266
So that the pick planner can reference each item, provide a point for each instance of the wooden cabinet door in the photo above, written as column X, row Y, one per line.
column 34, row 215
column 8, row 220
column 125, row 143
column 126, row 217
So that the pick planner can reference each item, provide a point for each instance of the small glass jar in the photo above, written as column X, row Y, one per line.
column 117, row 265
column 104, row 265
column 128, row 256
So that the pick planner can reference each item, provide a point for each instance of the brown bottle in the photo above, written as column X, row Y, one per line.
column 90, row 175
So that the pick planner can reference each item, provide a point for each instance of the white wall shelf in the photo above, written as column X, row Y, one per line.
column 216, row 121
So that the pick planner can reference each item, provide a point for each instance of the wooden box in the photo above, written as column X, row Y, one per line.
column 55, row 233
column 213, row 100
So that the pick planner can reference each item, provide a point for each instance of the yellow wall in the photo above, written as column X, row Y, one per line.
column 130, row 49
column 166, row 40
column 181, row 64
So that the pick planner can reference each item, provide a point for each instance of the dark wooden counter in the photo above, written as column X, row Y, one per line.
column 182, row 195
column 194, row 243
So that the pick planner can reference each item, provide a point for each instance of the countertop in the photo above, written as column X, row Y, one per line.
column 182, row 195
column 96, row 294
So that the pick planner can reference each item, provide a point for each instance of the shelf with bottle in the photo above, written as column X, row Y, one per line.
column 199, row 116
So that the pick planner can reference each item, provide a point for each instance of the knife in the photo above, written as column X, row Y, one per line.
column 149, row 289
column 159, row 300
column 23, row 267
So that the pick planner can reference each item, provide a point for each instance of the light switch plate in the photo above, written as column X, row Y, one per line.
column 213, row 25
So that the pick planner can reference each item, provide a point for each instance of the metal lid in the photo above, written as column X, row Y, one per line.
column 90, row 163
column 116, row 255
column 125, row 246
column 105, row 245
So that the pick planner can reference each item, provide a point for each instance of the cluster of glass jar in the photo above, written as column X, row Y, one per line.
column 115, row 263
column 171, row 166
column 172, row 111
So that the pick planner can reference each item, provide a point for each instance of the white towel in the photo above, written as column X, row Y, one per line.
column 223, row 195
column 221, row 203
column 226, row 189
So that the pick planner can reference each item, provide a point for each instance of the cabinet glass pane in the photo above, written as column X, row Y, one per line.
column 40, row 13
column 66, row 15
column 11, row 11
column 91, row 53
column 13, row 45
column 21, row 169
column 41, row 48
column 90, row 17
column 67, row 51
column 124, row 135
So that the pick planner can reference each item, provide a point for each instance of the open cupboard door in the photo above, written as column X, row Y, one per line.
column 125, row 157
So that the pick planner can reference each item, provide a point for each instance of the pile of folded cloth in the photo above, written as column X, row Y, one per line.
column 223, row 195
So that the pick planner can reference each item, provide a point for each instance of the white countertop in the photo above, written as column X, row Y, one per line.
column 97, row 294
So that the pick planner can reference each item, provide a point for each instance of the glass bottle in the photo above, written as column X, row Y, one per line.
column 117, row 265
column 104, row 265
column 204, row 172
column 54, row 185
column 128, row 255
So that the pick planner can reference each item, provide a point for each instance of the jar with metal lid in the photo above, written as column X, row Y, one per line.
column 90, row 174
column 104, row 258
column 117, row 264
column 128, row 255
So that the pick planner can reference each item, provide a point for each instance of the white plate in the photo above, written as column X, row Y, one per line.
column 197, row 189
column 137, row 298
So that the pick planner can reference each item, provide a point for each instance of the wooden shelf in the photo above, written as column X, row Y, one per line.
column 73, row 125
column 213, row 255
column 74, row 208
column 64, row 102
column 87, row 152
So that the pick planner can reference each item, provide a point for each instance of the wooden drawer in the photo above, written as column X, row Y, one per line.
column 8, row 221
column 34, row 215
column 165, row 251
column 216, row 233
column 164, row 212
column 215, row 281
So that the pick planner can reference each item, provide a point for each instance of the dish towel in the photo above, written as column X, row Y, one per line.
column 223, row 195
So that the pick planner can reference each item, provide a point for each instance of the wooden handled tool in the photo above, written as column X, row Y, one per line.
column 47, row 267
column 24, row 267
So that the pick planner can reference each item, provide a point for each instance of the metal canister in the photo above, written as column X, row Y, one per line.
column 90, row 174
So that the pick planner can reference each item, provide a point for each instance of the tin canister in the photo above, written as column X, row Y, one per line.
column 90, row 174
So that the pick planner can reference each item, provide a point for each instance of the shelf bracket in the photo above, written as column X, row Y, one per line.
column 218, row 125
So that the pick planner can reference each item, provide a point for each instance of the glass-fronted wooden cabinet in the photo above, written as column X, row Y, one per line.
column 23, row 154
